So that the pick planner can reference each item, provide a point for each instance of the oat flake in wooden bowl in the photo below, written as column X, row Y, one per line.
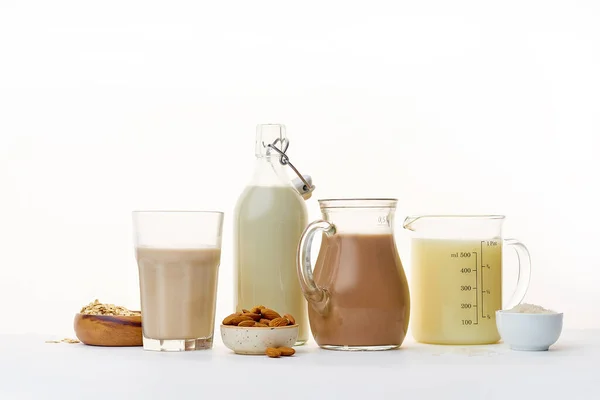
column 99, row 324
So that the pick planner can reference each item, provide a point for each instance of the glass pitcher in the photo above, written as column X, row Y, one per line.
column 359, row 298
column 456, row 277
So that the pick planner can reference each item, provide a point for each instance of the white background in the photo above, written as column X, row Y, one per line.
column 452, row 107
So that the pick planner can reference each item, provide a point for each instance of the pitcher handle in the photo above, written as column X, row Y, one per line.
column 524, row 272
column 316, row 296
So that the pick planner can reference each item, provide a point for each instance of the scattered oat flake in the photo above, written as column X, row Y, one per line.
column 97, row 308
column 65, row 340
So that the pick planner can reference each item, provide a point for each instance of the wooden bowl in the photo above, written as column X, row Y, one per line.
column 108, row 330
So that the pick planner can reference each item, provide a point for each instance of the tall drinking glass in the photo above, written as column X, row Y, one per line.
column 178, row 255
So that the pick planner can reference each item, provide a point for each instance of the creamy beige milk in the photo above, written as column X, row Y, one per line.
column 270, row 221
column 456, row 289
column 178, row 292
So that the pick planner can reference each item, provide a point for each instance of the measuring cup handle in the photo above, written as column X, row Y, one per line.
column 524, row 272
column 316, row 296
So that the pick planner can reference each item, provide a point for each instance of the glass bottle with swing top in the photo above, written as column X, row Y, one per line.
column 269, row 218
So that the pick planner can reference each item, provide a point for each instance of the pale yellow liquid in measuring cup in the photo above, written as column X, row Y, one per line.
column 456, row 290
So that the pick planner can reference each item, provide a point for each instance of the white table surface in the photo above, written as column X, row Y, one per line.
column 33, row 369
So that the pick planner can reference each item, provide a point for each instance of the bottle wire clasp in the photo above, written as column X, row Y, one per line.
column 285, row 160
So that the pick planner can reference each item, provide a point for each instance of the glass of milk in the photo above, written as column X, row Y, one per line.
column 178, row 255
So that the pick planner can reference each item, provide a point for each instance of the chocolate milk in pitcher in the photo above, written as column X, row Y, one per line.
column 359, row 298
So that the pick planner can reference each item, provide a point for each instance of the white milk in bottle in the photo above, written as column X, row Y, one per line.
column 269, row 219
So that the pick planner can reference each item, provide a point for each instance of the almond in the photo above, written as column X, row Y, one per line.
column 261, row 325
column 245, row 311
column 255, row 317
column 279, row 322
column 265, row 321
column 247, row 323
column 228, row 320
column 290, row 318
column 255, row 310
column 269, row 314
column 286, row 351
column 273, row 352
column 239, row 318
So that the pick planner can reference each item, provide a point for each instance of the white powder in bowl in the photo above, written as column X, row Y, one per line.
column 525, row 308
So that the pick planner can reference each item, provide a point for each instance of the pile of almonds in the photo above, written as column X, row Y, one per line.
column 259, row 316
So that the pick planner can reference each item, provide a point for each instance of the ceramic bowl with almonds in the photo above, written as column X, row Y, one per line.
column 255, row 330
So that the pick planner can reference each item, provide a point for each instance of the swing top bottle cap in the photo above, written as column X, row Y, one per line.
column 305, row 192
column 268, row 134
column 271, row 140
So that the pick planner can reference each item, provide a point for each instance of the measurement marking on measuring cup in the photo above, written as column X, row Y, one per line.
column 468, row 288
column 476, row 297
column 477, row 281
column 484, row 291
column 482, row 307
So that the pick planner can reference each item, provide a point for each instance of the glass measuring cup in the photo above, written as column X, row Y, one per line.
column 456, row 274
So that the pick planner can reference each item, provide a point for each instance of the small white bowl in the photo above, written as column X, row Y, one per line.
column 529, row 332
column 256, row 340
